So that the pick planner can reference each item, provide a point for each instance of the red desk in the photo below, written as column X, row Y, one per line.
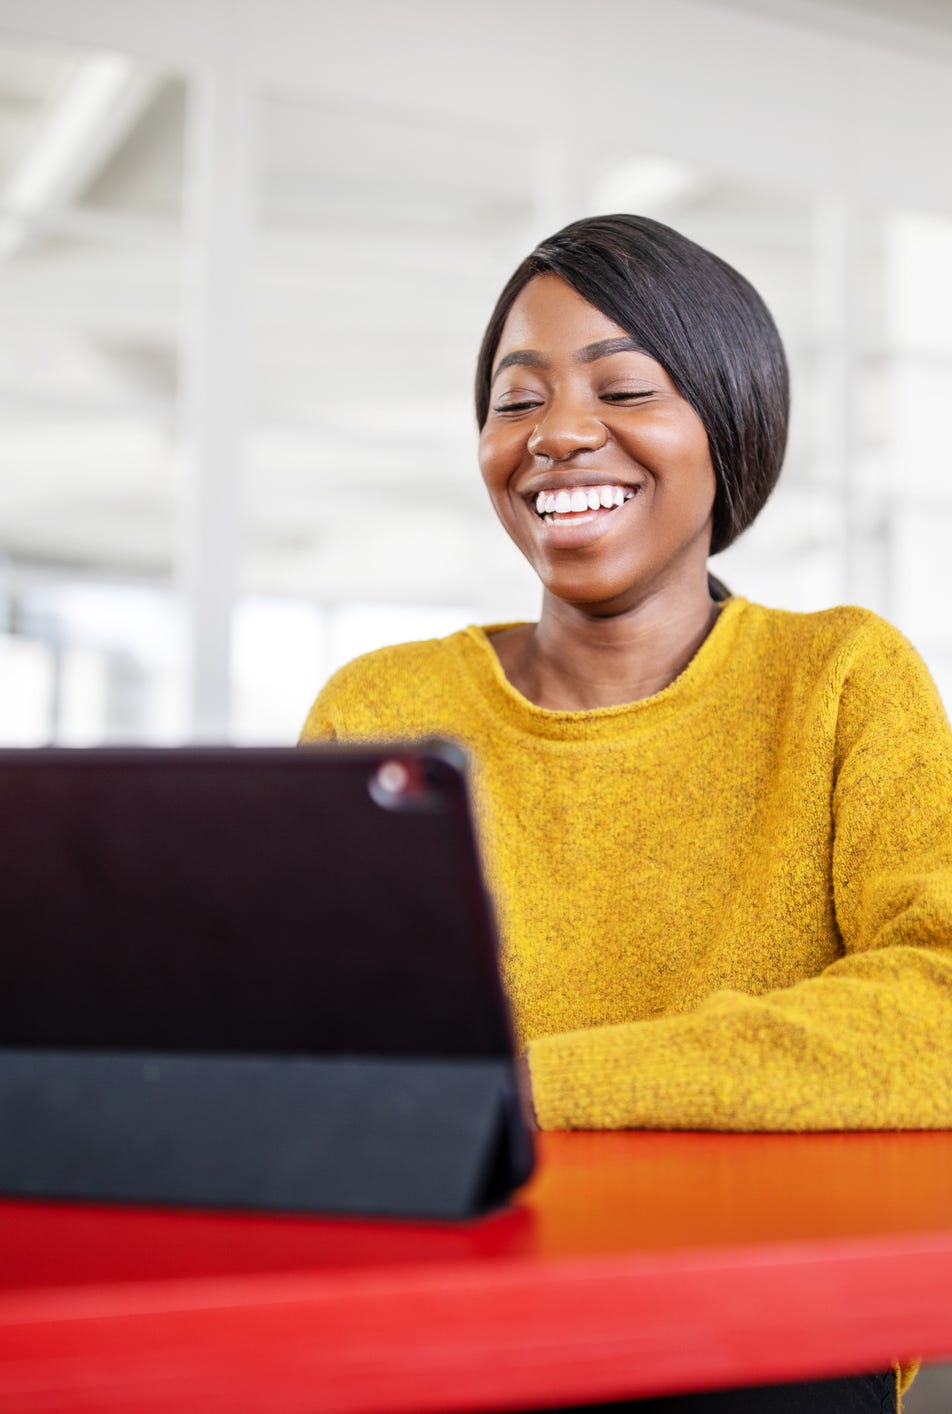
column 633, row 1264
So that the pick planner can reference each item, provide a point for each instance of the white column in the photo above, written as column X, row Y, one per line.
column 833, row 371
column 840, row 450
column 215, row 388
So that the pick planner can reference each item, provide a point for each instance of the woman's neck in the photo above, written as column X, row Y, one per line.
column 571, row 661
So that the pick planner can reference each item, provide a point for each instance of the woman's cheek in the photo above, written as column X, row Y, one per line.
column 498, row 458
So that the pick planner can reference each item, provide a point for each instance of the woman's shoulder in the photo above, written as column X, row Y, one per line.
column 845, row 628
column 380, row 691
column 851, row 649
column 395, row 659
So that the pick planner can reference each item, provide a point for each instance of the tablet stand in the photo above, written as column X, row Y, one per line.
column 350, row 1135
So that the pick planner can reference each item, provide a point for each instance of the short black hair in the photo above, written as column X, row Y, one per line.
column 695, row 315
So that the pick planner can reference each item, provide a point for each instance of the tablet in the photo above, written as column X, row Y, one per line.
column 316, row 911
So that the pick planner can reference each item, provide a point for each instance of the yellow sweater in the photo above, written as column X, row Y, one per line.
column 728, row 906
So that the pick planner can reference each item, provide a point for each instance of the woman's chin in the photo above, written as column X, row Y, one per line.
column 594, row 600
column 608, row 596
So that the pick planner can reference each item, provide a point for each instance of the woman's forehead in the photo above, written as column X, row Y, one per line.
column 550, row 323
column 548, row 308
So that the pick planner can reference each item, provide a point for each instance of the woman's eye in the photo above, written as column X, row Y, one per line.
column 626, row 395
column 519, row 406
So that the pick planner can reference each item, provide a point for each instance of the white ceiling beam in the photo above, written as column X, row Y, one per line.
column 885, row 24
column 96, row 225
column 84, row 127
column 174, row 34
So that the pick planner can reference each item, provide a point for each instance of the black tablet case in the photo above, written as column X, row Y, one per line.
column 253, row 978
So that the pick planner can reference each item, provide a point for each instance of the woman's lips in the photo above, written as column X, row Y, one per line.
column 579, row 505
column 576, row 530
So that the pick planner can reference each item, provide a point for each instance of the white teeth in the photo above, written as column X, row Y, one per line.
column 581, row 499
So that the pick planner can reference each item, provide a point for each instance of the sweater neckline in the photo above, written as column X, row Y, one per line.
column 505, row 702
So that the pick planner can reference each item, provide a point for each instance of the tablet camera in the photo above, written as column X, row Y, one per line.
column 405, row 784
column 393, row 778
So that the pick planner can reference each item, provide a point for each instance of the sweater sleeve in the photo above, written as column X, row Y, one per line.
column 867, row 1044
column 335, row 710
column 318, row 725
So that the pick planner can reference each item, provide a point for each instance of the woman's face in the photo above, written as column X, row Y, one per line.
column 596, row 465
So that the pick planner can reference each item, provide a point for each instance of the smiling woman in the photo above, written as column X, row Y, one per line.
column 587, row 424
column 595, row 362
column 719, row 835
column 697, row 318
column 581, row 394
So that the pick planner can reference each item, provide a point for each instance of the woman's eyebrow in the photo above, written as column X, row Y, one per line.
column 604, row 347
column 529, row 358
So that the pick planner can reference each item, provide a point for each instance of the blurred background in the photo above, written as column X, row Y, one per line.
column 247, row 251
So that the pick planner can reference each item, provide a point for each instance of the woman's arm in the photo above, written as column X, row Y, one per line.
column 318, row 725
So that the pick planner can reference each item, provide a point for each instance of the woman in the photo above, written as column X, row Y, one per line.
column 719, row 835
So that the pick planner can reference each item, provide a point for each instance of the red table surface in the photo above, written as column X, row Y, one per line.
column 633, row 1264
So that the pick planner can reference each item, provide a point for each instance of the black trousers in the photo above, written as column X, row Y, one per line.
column 860, row 1394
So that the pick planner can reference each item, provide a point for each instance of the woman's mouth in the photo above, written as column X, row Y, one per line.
column 581, row 503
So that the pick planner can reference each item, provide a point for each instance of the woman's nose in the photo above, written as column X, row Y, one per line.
column 565, row 429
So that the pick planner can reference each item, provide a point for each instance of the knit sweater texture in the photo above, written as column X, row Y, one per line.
column 726, row 906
